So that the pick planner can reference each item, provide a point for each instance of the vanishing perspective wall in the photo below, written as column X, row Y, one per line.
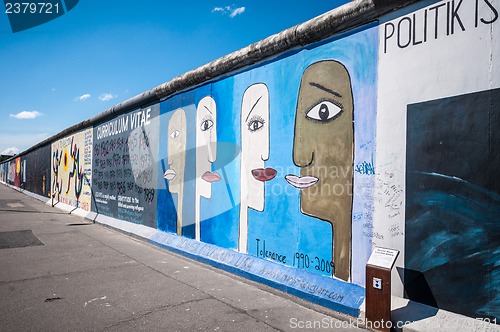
column 384, row 135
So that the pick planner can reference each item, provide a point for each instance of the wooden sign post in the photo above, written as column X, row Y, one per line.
column 378, row 288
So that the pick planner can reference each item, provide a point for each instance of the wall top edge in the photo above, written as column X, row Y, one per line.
column 336, row 21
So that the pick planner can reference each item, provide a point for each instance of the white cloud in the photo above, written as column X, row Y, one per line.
column 21, row 141
column 106, row 97
column 10, row 151
column 229, row 10
column 83, row 97
column 237, row 11
column 26, row 115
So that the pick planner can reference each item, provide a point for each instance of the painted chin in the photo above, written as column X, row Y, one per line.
column 169, row 174
column 301, row 182
column 264, row 174
column 211, row 176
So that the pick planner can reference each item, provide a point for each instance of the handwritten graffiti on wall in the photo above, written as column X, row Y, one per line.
column 124, row 153
column 71, row 170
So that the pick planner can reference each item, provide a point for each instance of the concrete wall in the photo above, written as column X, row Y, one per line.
column 437, row 152
column 290, row 169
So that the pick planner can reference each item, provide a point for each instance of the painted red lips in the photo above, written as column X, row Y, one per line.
column 210, row 176
column 264, row 174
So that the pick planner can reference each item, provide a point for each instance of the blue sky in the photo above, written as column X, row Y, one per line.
column 104, row 52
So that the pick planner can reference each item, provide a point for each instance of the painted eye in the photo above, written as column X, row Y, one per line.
column 255, row 123
column 324, row 111
column 175, row 134
column 206, row 125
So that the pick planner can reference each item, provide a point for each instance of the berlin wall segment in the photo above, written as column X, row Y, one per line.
column 292, row 170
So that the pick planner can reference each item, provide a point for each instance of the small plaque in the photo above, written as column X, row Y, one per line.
column 383, row 257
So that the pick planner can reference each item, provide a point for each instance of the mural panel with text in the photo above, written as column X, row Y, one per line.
column 124, row 166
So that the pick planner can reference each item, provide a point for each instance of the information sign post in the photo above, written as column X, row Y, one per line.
column 378, row 288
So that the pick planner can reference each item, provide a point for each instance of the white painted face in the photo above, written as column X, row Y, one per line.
column 255, row 144
column 176, row 151
column 206, row 146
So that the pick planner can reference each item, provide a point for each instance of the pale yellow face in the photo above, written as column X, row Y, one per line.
column 176, row 150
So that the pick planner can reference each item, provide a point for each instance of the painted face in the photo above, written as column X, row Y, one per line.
column 206, row 146
column 323, row 143
column 176, row 151
column 255, row 144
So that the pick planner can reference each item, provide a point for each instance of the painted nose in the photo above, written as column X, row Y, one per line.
column 212, row 151
column 302, row 155
column 265, row 155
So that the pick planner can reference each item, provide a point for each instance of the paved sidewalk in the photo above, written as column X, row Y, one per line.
column 59, row 272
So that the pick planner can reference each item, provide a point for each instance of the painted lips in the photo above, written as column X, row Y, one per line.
column 264, row 174
column 210, row 176
column 301, row 182
column 169, row 174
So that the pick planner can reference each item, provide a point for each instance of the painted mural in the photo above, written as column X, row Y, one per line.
column 255, row 131
column 11, row 172
column 206, row 155
column 124, row 166
column 36, row 171
column 3, row 172
column 453, row 204
column 30, row 172
column 323, row 141
column 265, row 162
column 175, row 174
column 71, row 176
column 16, row 172
column 196, row 163
column 379, row 136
